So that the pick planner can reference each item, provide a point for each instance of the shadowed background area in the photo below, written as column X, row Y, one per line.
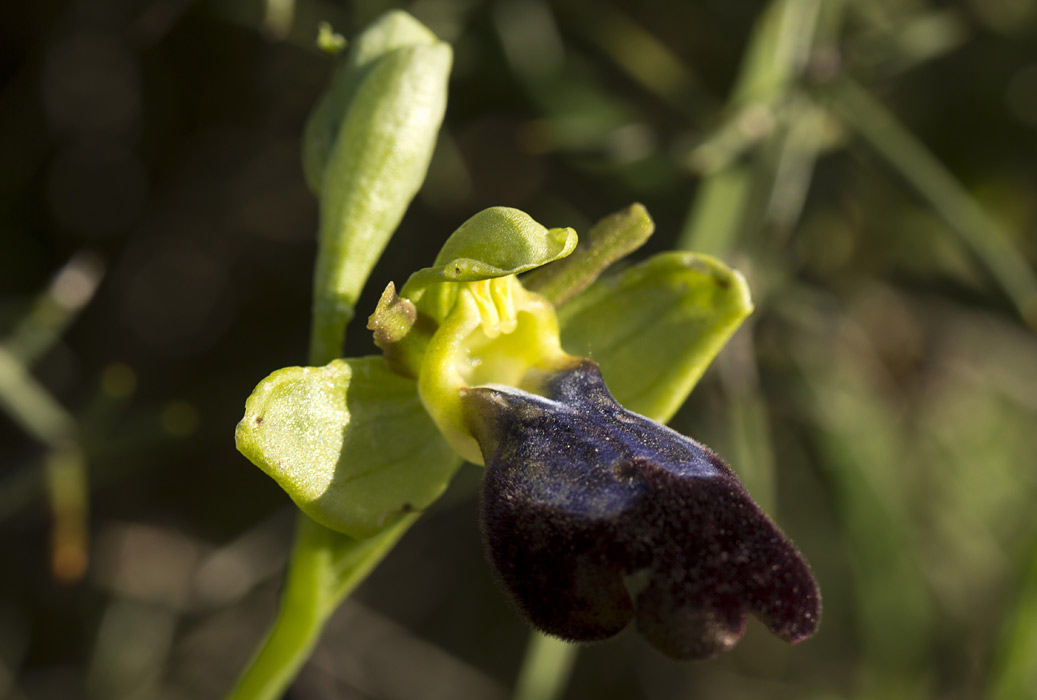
column 868, row 165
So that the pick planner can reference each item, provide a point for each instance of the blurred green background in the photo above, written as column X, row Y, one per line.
column 870, row 165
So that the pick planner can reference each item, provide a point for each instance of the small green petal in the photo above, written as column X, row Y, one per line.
column 613, row 237
column 654, row 328
column 349, row 442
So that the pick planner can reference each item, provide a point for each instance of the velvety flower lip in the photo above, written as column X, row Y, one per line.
column 595, row 516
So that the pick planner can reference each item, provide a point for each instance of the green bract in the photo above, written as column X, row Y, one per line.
column 360, row 442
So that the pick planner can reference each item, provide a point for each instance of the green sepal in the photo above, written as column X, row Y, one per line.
column 349, row 442
column 496, row 242
column 655, row 327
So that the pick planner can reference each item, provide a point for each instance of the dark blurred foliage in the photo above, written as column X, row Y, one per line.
column 156, row 244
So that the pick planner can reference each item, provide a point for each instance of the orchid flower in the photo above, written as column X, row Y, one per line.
column 594, row 514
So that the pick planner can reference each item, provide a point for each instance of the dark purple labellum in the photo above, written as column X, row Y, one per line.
column 594, row 516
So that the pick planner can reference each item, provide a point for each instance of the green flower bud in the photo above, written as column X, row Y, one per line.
column 366, row 151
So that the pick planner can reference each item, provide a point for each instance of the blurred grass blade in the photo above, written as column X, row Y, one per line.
column 278, row 18
column 530, row 39
column 577, row 113
column 794, row 164
column 716, row 217
column 68, row 293
column 980, row 233
column 643, row 56
column 776, row 54
column 545, row 669
column 32, row 407
column 1015, row 670
column 68, row 493
column 29, row 404
column 749, row 444
column 752, row 452
column 859, row 437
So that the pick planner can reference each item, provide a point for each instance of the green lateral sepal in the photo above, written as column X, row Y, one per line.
column 349, row 442
column 655, row 327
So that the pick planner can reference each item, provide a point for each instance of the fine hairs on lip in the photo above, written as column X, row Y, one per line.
column 594, row 516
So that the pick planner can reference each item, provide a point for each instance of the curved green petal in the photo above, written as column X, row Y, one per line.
column 349, row 442
column 654, row 328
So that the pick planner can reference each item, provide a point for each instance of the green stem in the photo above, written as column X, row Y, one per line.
column 296, row 629
column 328, row 331
column 325, row 567
column 1013, row 670
column 975, row 228
column 545, row 669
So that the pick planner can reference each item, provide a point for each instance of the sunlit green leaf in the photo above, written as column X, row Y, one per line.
column 349, row 442
column 654, row 328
